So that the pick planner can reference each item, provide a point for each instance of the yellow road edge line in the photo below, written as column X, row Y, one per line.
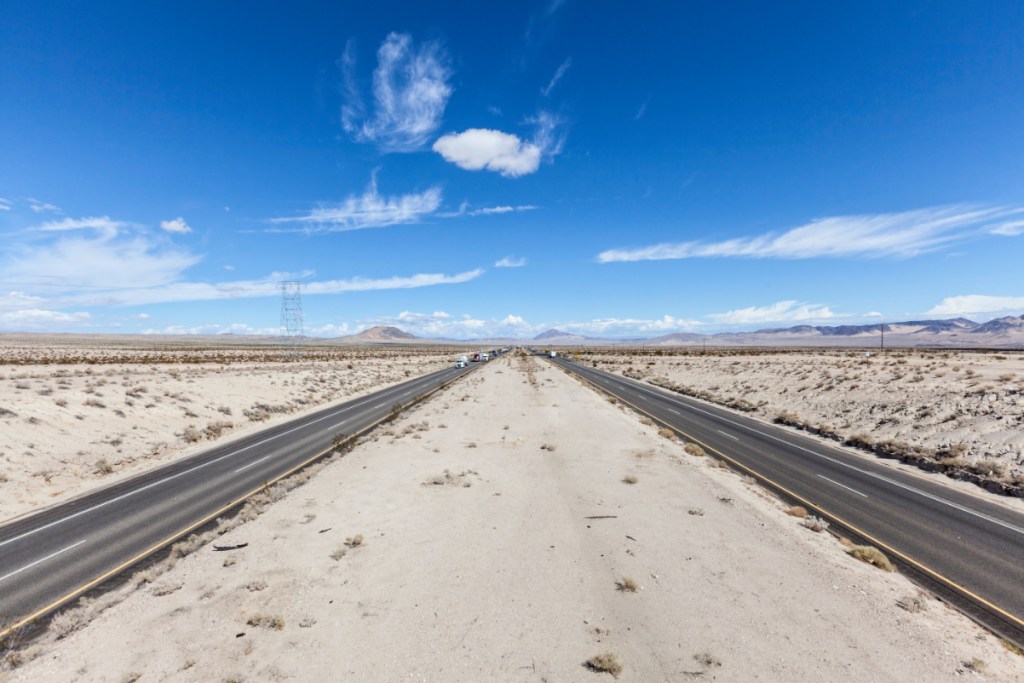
column 942, row 579
column 179, row 534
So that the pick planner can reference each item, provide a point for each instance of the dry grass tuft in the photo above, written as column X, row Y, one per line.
column 354, row 541
column 271, row 621
column 1012, row 647
column 627, row 585
column 66, row 623
column 630, row 479
column 667, row 433
column 606, row 662
column 797, row 511
column 693, row 449
column 913, row 603
column 975, row 665
column 254, row 586
column 547, row 447
column 873, row 556
column 338, row 554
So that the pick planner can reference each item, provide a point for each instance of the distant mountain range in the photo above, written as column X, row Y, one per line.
column 1005, row 332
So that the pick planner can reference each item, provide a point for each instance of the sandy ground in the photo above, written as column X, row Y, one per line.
column 495, row 523
column 73, row 416
column 970, row 405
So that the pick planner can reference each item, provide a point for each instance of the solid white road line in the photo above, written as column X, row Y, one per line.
column 40, row 561
column 727, row 434
column 906, row 487
column 842, row 485
column 179, row 474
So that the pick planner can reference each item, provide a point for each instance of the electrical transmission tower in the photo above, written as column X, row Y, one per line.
column 291, row 318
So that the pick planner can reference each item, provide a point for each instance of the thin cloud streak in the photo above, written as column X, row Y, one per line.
column 368, row 210
column 559, row 73
column 902, row 234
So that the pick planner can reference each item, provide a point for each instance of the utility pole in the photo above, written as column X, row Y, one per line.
column 291, row 318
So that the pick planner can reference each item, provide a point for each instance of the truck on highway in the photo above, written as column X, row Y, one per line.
column 485, row 357
column 476, row 357
column 551, row 354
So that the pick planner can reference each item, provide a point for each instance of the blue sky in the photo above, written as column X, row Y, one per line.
column 615, row 169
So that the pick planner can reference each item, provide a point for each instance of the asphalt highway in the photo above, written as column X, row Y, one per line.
column 969, row 550
column 51, row 557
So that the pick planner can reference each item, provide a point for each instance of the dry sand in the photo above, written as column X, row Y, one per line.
column 967, row 405
column 479, row 561
column 75, row 416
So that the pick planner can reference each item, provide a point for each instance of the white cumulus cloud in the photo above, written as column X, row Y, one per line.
column 410, row 92
column 176, row 225
column 479, row 149
column 868, row 236
column 969, row 304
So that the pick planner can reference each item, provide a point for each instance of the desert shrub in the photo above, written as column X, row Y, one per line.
column 797, row 511
column 912, row 603
column 67, row 622
column 626, row 585
column 630, row 479
column 814, row 523
column 271, row 621
column 873, row 556
column 215, row 429
column 693, row 449
column 192, row 435
column 102, row 467
column 354, row 541
column 606, row 662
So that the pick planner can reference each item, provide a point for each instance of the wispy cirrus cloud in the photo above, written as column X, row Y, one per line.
column 969, row 304
column 38, row 206
column 1009, row 229
column 507, row 154
column 410, row 92
column 901, row 234
column 93, row 253
column 368, row 210
column 465, row 210
column 510, row 262
column 559, row 73
column 782, row 311
column 5, row 204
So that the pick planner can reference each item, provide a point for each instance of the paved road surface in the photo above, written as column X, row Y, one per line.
column 49, row 556
column 968, row 549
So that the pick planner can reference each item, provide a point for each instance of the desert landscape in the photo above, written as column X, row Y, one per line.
column 80, row 412
column 557, row 538
column 960, row 412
